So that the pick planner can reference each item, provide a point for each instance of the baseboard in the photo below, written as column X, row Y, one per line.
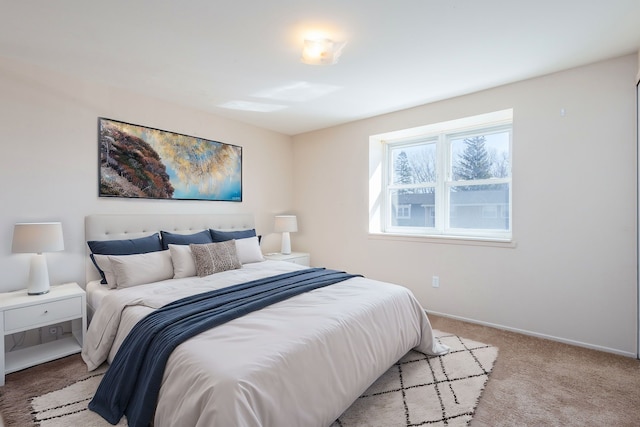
column 537, row 335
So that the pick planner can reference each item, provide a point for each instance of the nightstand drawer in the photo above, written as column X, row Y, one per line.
column 45, row 313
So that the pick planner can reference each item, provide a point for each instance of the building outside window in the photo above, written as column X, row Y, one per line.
column 403, row 211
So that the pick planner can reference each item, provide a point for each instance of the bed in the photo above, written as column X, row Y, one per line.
column 300, row 361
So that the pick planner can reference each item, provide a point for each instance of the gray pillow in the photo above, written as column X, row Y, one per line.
column 213, row 258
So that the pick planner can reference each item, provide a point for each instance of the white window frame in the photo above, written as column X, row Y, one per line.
column 442, row 133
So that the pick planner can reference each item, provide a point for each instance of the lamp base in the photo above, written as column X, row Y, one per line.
column 286, row 243
column 38, row 276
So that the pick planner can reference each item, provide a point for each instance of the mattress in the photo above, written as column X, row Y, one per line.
column 95, row 293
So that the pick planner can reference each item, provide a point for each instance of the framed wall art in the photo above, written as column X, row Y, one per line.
column 142, row 162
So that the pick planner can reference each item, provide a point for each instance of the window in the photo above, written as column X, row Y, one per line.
column 403, row 211
column 446, row 179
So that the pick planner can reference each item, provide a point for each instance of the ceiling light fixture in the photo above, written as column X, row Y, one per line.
column 321, row 51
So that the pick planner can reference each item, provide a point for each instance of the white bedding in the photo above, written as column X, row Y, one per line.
column 300, row 362
column 95, row 293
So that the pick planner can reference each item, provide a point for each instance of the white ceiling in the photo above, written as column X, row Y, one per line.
column 399, row 54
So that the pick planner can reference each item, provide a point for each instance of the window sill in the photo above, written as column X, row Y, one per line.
column 446, row 240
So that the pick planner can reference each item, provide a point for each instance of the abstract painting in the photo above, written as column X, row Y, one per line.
column 142, row 162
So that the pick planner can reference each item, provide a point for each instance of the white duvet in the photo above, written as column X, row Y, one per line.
column 300, row 362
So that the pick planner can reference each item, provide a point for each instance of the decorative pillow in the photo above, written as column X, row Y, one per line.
column 183, row 264
column 223, row 236
column 123, row 247
column 215, row 257
column 249, row 250
column 133, row 270
column 200, row 237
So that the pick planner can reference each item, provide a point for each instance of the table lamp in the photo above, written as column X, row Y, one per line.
column 38, row 238
column 286, row 224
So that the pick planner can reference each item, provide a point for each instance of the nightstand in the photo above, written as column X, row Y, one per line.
column 21, row 312
column 301, row 258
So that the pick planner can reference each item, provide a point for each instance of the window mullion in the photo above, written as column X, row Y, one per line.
column 490, row 181
column 441, row 195
column 385, row 212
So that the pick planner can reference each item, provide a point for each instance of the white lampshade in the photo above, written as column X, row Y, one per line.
column 286, row 224
column 38, row 238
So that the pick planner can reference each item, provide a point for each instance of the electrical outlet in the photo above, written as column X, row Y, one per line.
column 48, row 334
column 435, row 281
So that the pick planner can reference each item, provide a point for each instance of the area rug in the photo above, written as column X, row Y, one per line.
column 417, row 390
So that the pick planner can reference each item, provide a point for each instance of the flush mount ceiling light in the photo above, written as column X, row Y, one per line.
column 321, row 51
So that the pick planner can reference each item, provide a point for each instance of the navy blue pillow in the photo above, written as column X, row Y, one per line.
column 142, row 245
column 198, row 238
column 223, row 236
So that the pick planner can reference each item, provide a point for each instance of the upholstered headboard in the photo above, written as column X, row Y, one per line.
column 117, row 226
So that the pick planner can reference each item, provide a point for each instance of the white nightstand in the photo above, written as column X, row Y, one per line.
column 21, row 312
column 301, row 258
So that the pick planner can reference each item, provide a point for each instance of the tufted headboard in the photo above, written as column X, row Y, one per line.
column 132, row 226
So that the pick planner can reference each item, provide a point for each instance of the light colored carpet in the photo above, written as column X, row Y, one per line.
column 539, row 382
column 417, row 390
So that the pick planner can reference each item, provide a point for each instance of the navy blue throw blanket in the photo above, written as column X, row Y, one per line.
column 132, row 383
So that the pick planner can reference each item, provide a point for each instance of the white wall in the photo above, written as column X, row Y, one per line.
column 572, row 273
column 49, row 163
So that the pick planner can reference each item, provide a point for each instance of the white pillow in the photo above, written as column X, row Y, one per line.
column 105, row 265
column 133, row 270
column 248, row 250
column 183, row 264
